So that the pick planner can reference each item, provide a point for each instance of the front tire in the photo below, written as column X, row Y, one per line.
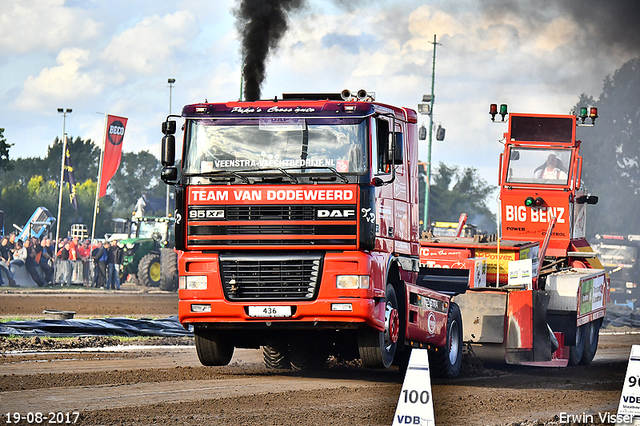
column 446, row 362
column 213, row 349
column 149, row 270
column 378, row 348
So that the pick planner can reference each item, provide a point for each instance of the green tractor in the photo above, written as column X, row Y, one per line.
column 149, row 253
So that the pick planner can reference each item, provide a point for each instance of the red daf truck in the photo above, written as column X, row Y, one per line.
column 543, row 296
column 298, row 226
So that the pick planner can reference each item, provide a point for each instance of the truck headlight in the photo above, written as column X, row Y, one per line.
column 352, row 282
column 198, row 282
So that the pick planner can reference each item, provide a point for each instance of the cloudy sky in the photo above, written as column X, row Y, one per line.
column 99, row 56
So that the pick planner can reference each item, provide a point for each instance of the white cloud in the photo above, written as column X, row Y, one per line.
column 29, row 25
column 66, row 81
column 147, row 47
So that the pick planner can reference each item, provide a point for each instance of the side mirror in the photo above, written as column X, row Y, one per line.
column 169, row 127
column 588, row 199
column 168, row 149
column 422, row 133
column 514, row 155
column 169, row 175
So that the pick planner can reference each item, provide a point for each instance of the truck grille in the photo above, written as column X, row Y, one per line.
column 270, row 278
column 270, row 212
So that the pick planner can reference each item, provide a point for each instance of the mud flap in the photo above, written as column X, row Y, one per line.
column 528, row 337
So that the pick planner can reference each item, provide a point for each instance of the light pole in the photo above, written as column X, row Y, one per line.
column 171, row 82
column 427, row 108
column 64, row 113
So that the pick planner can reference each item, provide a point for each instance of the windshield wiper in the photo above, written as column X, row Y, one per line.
column 219, row 172
column 333, row 170
column 287, row 174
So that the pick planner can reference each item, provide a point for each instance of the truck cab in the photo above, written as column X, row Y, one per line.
column 297, row 224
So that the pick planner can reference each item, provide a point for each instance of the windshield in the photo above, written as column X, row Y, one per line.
column 253, row 144
column 539, row 165
column 147, row 229
column 616, row 255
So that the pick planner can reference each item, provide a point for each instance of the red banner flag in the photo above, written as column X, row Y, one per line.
column 112, row 150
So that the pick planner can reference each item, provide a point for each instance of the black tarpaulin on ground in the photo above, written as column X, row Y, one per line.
column 128, row 327
column 617, row 316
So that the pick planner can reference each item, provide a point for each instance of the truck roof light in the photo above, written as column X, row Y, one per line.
column 503, row 110
column 201, row 109
column 493, row 110
column 539, row 201
column 349, row 108
column 583, row 112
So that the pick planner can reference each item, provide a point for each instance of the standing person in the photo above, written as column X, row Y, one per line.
column 12, row 244
column 41, row 260
column 99, row 256
column 114, row 259
column 32, row 264
column 111, row 267
column 5, row 259
column 47, row 259
column 63, row 258
column 84, row 254
column 73, row 259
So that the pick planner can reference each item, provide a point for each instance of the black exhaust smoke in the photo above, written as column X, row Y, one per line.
column 262, row 24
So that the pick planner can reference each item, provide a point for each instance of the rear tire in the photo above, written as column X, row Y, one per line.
column 304, row 355
column 213, row 349
column 591, row 337
column 378, row 348
column 276, row 355
column 168, row 269
column 446, row 362
column 576, row 351
column 149, row 270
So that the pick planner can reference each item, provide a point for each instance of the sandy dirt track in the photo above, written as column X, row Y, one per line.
column 166, row 385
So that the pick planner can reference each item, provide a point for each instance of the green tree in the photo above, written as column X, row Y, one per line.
column 138, row 173
column 85, row 156
column 5, row 163
column 611, row 153
column 454, row 191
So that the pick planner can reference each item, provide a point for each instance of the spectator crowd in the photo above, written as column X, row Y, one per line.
column 69, row 262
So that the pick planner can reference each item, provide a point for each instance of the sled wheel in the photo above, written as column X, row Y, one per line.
column 447, row 362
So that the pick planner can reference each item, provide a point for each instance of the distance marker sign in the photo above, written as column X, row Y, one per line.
column 415, row 405
column 630, row 398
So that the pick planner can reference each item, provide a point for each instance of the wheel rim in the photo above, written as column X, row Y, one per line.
column 454, row 342
column 154, row 271
column 392, row 326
